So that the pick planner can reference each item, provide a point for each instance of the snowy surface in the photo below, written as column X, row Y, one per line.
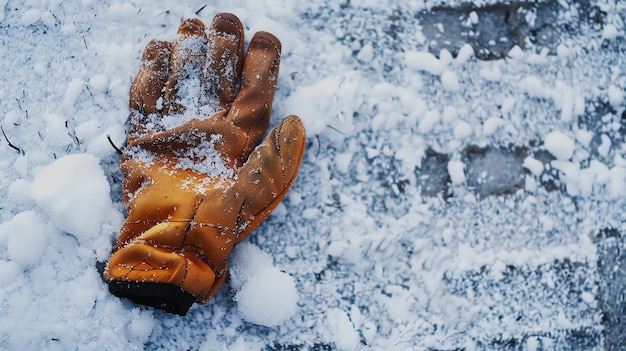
column 463, row 187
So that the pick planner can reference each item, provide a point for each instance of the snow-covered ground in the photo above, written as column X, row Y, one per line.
column 463, row 188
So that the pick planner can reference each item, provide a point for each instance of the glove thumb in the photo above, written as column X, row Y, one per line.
column 267, row 175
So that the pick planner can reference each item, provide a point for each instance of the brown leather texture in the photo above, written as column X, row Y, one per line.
column 199, row 176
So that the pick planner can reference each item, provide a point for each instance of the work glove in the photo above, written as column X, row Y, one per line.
column 196, row 182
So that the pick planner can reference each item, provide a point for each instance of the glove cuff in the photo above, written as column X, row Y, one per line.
column 167, row 297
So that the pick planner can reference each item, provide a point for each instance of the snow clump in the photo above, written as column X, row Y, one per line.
column 559, row 145
column 74, row 193
column 265, row 295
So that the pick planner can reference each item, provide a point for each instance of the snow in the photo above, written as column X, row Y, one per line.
column 457, row 175
column 462, row 130
column 341, row 330
column 559, row 145
column 445, row 202
column 533, row 165
column 616, row 96
column 450, row 81
column 74, row 193
column 429, row 120
column 25, row 237
column 424, row 61
column 610, row 32
column 265, row 295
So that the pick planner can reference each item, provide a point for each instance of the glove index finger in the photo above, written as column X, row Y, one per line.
column 146, row 90
column 252, row 107
column 147, row 86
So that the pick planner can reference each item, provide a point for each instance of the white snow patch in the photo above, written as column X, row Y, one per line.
column 326, row 103
column 605, row 145
column 559, row 145
column 73, row 91
column 450, row 114
column 450, row 81
column 366, row 54
column 74, row 192
column 341, row 330
column 465, row 53
column 564, row 99
column 616, row 96
column 534, row 87
column 19, row 191
column 491, row 72
column 584, row 137
column 26, row 236
column 491, row 125
column 457, row 174
column 424, row 61
column 428, row 121
column 610, row 32
column 533, row 165
column 462, row 130
column 516, row 53
column 265, row 294
column 30, row 16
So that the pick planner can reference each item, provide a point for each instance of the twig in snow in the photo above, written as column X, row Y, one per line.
column 88, row 90
column 336, row 130
column 19, row 151
column 114, row 146
column 200, row 9
column 19, row 104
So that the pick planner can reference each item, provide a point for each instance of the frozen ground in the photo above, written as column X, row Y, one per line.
column 464, row 184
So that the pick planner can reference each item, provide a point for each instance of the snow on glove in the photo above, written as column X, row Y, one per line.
column 195, row 181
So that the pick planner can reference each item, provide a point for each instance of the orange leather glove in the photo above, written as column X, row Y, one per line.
column 195, row 181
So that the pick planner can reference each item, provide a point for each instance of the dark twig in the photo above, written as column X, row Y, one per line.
column 200, row 9
column 114, row 146
column 335, row 129
column 8, row 142
column 88, row 90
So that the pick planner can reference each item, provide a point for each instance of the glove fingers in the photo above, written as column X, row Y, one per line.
column 252, row 107
column 188, row 53
column 147, row 87
column 271, row 169
column 223, row 64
